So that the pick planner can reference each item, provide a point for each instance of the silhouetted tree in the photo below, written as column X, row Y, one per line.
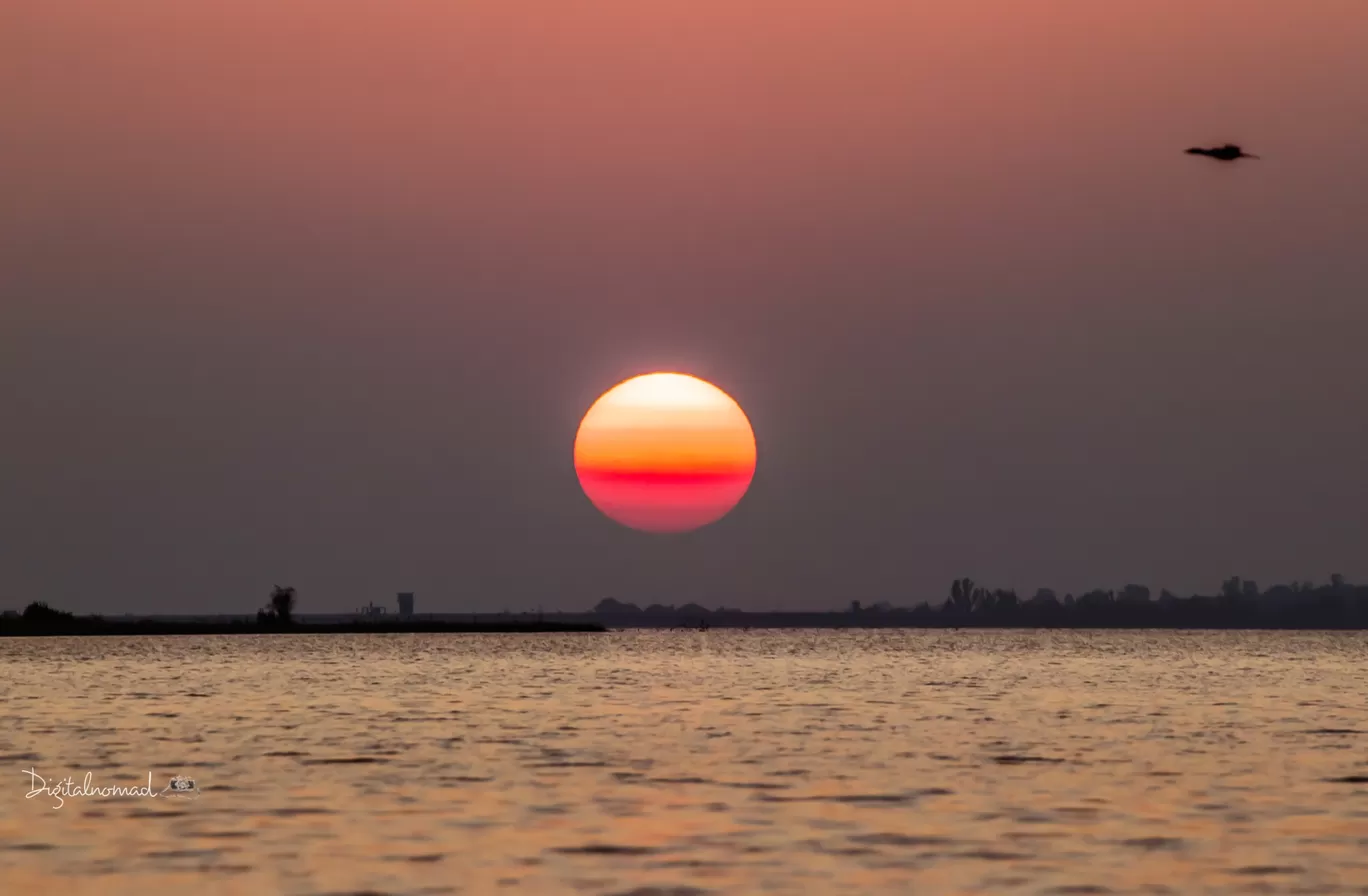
column 961, row 596
column 1097, row 599
column 1135, row 594
column 39, row 611
column 610, row 607
column 283, row 603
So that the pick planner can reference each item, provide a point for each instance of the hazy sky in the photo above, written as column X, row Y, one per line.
column 315, row 292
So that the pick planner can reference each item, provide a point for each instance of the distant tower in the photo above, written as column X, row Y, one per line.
column 405, row 603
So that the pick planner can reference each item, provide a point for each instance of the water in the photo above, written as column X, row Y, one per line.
column 689, row 762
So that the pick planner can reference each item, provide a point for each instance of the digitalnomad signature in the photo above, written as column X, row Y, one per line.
column 68, row 787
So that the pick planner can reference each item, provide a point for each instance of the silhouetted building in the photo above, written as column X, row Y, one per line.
column 405, row 604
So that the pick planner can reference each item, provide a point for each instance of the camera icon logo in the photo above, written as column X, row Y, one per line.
column 181, row 787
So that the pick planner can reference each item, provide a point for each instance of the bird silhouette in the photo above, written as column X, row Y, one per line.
column 1228, row 153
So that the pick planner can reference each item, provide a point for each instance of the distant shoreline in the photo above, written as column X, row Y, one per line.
column 16, row 628
column 833, row 622
column 1240, row 606
column 839, row 624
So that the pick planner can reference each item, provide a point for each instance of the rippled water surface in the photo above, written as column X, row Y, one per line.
column 690, row 762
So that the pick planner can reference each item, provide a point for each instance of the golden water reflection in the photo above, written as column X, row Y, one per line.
column 725, row 761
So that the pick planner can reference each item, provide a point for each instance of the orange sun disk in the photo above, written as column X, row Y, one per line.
column 665, row 452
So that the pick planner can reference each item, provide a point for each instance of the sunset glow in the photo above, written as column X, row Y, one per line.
column 665, row 452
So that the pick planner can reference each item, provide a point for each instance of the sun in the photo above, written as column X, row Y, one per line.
column 665, row 452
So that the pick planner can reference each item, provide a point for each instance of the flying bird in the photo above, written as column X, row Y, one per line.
column 1228, row 153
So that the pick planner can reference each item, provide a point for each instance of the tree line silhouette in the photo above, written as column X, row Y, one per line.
column 276, row 617
column 38, row 617
column 1239, row 604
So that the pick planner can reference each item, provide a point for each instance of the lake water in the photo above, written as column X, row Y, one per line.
column 689, row 762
